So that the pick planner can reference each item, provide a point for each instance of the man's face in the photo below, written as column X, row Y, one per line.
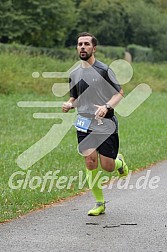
column 85, row 47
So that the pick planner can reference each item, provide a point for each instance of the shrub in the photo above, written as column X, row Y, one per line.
column 113, row 52
column 140, row 53
column 58, row 53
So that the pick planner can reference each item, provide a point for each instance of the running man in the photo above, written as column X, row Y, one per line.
column 95, row 92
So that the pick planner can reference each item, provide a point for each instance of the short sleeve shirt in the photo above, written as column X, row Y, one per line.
column 91, row 86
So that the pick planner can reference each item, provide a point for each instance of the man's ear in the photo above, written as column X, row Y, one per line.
column 94, row 49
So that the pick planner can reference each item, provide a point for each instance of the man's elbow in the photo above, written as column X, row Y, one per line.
column 121, row 92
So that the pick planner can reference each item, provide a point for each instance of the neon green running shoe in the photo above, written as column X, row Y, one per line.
column 123, row 171
column 98, row 209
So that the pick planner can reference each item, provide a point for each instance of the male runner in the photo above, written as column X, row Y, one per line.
column 95, row 92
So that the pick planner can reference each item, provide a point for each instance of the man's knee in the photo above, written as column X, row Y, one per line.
column 91, row 162
column 108, row 164
column 109, row 168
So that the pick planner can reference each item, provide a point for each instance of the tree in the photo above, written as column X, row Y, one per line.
column 144, row 23
column 106, row 19
column 7, row 19
column 38, row 23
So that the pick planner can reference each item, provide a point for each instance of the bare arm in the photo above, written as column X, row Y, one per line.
column 115, row 99
column 102, row 110
column 68, row 105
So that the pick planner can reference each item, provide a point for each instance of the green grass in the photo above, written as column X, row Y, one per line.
column 17, row 69
column 143, row 139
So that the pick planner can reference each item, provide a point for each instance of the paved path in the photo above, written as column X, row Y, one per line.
column 135, row 221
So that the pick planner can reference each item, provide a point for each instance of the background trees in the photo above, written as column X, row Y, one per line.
column 38, row 23
column 114, row 22
column 106, row 19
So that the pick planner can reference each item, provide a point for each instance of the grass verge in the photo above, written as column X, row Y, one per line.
column 143, row 141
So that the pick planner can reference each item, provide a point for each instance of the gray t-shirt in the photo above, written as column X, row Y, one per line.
column 92, row 86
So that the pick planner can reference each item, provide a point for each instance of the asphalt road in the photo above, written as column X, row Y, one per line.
column 135, row 220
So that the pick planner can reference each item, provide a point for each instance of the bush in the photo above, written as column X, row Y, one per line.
column 113, row 52
column 140, row 53
column 58, row 53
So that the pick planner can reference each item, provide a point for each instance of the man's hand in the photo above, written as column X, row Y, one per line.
column 66, row 106
column 101, row 111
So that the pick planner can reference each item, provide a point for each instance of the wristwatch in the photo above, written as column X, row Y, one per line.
column 108, row 106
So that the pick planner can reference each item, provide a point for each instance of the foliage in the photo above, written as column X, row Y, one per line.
column 106, row 19
column 58, row 52
column 57, row 23
column 112, row 52
column 145, row 22
column 37, row 23
column 140, row 53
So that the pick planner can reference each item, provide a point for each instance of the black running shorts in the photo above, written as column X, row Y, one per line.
column 108, row 148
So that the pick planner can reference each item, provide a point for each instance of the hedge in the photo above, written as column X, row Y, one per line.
column 113, row 52
column 59, row 53
column 140, row 53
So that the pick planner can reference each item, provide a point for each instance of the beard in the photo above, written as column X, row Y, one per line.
column 85, row 55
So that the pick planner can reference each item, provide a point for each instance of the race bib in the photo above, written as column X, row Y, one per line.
column 82, row 123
